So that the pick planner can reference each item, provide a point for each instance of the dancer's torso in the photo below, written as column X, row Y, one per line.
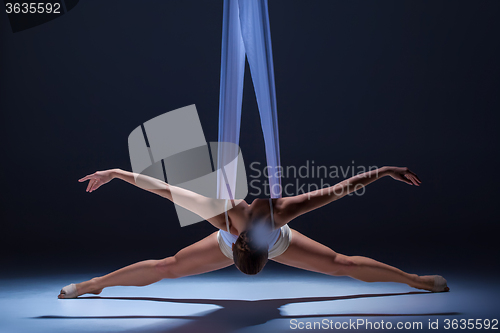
column 242, row 216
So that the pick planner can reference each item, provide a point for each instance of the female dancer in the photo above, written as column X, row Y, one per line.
column 254, row 233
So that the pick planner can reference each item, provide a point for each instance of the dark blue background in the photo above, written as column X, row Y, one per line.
column 402, row 83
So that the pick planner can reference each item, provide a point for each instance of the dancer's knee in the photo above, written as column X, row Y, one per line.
column 167, row 268
column 343, row 265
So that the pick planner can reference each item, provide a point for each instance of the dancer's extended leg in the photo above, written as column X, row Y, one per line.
column 308, row 254
column 203, row 256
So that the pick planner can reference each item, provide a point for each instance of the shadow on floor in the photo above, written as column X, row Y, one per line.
column 237, row 314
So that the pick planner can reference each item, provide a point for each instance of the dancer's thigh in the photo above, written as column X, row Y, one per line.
column 308, row 254
column 200, row 257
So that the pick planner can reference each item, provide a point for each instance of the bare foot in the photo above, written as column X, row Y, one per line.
column 435, row 283
column 86, row 287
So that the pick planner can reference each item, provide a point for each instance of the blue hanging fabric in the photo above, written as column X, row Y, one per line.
column 246, row 30
column 256, row 34
column 231, row 92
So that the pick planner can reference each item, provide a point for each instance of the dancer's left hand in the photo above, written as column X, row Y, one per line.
column 97, row 179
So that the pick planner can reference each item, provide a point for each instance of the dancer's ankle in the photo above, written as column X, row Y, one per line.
column 95, row 283
column 89, row 286
column 416, row 281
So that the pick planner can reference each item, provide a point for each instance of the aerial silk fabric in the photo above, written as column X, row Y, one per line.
column 245, row 31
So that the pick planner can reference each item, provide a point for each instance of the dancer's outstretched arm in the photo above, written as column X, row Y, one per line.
column 208, row 208
column 289, row 208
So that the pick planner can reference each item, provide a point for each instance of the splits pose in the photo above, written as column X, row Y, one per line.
column 250, row 234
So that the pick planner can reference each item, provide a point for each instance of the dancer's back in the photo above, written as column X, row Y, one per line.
column 243, row 215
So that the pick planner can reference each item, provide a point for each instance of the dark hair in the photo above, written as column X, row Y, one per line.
column 249, row 256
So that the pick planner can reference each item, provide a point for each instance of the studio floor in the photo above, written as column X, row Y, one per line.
column 228, row 301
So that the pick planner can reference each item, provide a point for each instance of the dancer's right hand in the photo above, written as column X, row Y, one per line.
column 404, row 175
column 97, row 179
